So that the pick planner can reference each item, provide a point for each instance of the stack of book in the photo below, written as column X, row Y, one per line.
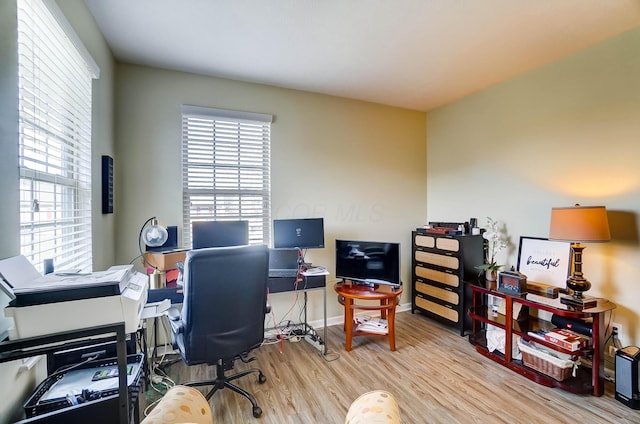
column 566, row 339
column 371, row 325
column 545, row 300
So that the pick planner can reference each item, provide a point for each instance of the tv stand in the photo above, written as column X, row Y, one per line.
column 387, row 298
column 586, row 380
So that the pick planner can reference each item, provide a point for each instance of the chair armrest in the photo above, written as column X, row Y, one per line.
column 175, row 320
column 174, row 314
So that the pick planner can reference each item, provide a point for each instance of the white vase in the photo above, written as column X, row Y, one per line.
column 491, row 275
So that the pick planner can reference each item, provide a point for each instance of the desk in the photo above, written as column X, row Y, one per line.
column 309, row 282
column 388, row 297
column 275, row 285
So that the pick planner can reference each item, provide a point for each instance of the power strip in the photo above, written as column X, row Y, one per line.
column 315, row 341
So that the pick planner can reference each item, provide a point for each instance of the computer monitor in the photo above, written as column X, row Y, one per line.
column 302, row 233
column 219, row 233
column 368, row 261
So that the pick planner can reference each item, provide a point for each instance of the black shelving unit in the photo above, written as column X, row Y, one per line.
column 11, row 350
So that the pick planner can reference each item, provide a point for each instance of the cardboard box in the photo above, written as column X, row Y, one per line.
column 166, row 261
column 567, row 339
column 541, row 289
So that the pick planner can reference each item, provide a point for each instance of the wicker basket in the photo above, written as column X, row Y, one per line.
column 556, row 368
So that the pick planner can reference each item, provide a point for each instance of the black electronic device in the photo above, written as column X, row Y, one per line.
column 574, row 324
column 67, row 357
column 219, row 233
column 368, row 261
column 107, row 184
column 284, row 262
column 301, row 233
column 512, row 282
column 627, row 376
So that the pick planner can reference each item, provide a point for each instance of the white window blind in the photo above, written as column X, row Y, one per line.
column 55, row 76
column 226, row 169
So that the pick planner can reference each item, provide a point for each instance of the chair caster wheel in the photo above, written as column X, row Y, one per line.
column 262, row 378
column 257, row 411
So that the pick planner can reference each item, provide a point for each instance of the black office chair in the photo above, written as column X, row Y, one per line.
column 223, row 313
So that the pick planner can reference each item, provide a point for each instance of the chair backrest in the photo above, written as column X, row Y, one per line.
column 225, row 302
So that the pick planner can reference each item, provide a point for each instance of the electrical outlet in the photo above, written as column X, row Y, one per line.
column 618, row 327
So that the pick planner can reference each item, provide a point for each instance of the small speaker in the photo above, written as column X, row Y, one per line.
column 627, row 377
column 107, row 184
column 575, row 324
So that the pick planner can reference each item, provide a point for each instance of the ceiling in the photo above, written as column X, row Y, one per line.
column 415, row 54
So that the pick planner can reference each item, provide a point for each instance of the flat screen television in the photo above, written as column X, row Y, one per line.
column 219, row 233
column 302, row 233
column 369, row 262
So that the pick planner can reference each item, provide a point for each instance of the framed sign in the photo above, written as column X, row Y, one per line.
column 544, row 261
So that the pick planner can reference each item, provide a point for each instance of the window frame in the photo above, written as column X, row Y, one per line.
column 235, row 166
column 55, row 78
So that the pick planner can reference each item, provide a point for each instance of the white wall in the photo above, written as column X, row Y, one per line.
column 563, row 134
column 359, row 165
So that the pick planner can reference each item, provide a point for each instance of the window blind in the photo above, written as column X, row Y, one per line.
column 226, row 169
column 55, row 79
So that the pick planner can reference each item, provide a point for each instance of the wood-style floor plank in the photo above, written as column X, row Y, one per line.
column 435, row 375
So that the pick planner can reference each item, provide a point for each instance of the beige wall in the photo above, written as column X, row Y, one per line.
column 566, row 133
column 359, row 165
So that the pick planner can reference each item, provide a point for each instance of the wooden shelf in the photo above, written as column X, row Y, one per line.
column 580, row 384
column 587, row 380
column 522, row 328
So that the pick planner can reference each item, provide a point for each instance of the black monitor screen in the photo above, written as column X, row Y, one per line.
column 301, row 233
column 219, row 234
column 368, row 261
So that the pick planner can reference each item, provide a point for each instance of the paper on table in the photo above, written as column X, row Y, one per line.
column 51, row 282
column 315, row 271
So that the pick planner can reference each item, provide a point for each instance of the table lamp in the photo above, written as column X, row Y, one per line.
column 152, row 235
column 579, row 224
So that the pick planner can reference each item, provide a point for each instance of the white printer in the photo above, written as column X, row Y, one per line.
column 65, row 301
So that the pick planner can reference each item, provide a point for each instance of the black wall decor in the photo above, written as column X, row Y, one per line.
column 107, row 184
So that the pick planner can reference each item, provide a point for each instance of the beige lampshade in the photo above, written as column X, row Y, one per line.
column 580, row 224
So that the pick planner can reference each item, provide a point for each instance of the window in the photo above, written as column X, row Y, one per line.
column 226, row 169
column 55, row 75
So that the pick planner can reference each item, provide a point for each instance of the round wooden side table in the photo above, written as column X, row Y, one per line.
column 388, row 298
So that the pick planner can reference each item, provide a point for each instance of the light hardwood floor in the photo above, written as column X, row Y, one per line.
column 435, row 375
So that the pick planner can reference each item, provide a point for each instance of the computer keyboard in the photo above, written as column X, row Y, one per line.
column 283, row 273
